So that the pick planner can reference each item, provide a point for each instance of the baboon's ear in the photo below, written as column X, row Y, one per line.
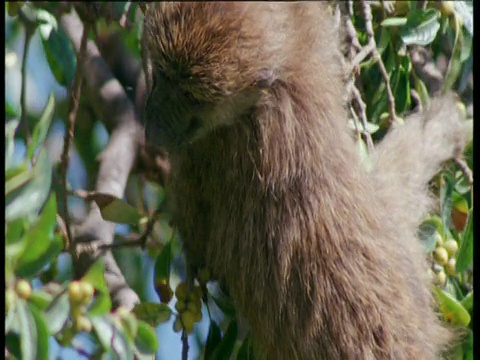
column 265, row 78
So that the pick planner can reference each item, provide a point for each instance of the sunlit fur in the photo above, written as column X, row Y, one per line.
column 320, row 255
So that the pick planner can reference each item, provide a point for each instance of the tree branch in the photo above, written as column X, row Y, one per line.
column 113, row 106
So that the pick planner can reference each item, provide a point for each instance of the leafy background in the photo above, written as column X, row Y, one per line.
column 59, row 305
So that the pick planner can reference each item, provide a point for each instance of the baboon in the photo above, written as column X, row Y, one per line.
column 319, row 252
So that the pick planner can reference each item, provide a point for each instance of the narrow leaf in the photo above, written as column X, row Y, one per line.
column 146, row 339
column 115, row 209
column 41, row 128
column 57, row 313
column 152, row 313
column 33, row 195
column 42, row 333
column 452, row 310
column 225, row 349
column 465, row 253
column 421, row 27
column 213, row 339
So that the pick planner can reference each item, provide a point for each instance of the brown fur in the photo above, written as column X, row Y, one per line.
column 319, row 254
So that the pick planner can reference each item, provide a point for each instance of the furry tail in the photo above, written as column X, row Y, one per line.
column 403, row 164
column 409, row 156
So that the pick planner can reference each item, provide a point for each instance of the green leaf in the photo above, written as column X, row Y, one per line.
column 421, row 27
column 393, row 21
column 427, row 232
column 455, row 63
column 452, row 310
column 129, row 324
column 465, row 253
column 15, row 231
column 42, row 333
column 41, row 299
column 17, row 177
column 245, row 352
column 103, row 329
column 446, row 193
column 467, row 302
column 162, row 264
column 152, row 313
column 58, row 49
column 466, row 48
column 28, row 331
column 32, row 196
column 41, row 128
column 57, row 313
column 464, row 9
column 102, row 303
column 10, row 129
column 384, row 41
column 12, row 343
column 225, row 348
column 467, row 69
column 213, row 339
column 41, row 244
column 96, row 275
column 11, row 111
column 401, row 86
column 421, row 89
column 120, row 344
column 116, row 210
column 468, row 345
column 146, row 339
column 162, row 274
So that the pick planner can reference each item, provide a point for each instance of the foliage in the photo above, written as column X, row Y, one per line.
column 45, row 304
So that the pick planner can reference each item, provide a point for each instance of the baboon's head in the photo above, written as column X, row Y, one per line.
column 208, row 63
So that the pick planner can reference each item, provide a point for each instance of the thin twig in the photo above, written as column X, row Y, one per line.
column 72, row 115
column 124, row 23
column 142, row 239
column 362, row 54
column 367, row 14
column 465, row 169
column 184, row 345
column 363, row 117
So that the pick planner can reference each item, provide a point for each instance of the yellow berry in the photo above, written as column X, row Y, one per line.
column 438, row 239
column 177, row 325
column 74, row 292
column 24, row 290
column 440, row 255
column 188, row 320
column 75, row 311
column 194, row 297
column 82, row 323
column 451, row 246
column 440, row 278
column 447, row 7
column 204, row 275
column 86, row 291
column 180, row 306
column 450, row 267
column 181, row 291
column 193, row 307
